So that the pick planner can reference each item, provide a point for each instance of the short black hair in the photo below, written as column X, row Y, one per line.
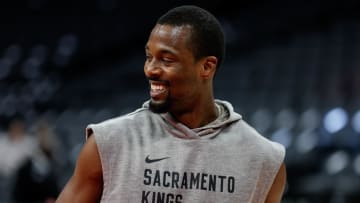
column 207, row 37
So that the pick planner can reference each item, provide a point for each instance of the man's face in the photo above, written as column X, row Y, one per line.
column 171, row 69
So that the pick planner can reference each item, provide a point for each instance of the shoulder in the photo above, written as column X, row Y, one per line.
column 141, row 112
column 268, row 154
column 263, row 145
column 119, row 122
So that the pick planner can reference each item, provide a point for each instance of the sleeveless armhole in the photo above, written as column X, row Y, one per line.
column 89, row 132
column 278, row 158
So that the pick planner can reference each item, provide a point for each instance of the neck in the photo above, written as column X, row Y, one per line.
column 199, row 115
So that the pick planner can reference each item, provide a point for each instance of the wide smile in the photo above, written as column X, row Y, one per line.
column 159, row 90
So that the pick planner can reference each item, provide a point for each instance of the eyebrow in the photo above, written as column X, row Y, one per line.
column 162, row 50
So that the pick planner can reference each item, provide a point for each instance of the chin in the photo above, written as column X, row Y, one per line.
column 159, row 106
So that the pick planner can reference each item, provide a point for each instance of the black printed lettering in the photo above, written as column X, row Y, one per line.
column 166, row 174
column 147, row 177
column 157, row 178
column 144, row 197
column 169, row 198
column 184, row 181
column 153, row 197
column 178, row 199
column 222, row 183
column 212, row 183
column 160, row 197
column 194, row 181
column 175, row 180
column 231, row 184
column 203, row 181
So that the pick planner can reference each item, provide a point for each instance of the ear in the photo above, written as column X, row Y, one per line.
column 209, row 66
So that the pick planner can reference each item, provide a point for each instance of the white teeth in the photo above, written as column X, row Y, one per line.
column 157, row 87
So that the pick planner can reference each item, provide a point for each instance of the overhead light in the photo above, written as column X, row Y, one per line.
column 356, row 122
column 335, row 120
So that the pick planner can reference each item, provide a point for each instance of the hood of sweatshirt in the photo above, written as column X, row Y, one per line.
column 226, row 117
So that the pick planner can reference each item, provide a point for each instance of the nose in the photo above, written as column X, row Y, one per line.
column 152, row 69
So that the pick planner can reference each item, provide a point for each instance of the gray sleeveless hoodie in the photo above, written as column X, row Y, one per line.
column 148, row 157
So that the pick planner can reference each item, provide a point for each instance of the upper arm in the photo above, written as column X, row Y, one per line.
column 277, row 189
column 86, row 183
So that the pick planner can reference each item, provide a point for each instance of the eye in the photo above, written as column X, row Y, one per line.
column 148, row 58
column 167, row 60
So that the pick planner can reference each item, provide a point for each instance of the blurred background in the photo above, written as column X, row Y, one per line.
column 292, row 70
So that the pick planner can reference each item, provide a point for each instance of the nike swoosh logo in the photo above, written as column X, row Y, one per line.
column 148, row 160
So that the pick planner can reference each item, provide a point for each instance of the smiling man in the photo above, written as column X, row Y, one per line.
column 182, row 145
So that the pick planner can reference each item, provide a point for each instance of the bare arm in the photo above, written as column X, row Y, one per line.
column 86, row 184
column 277, row 189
